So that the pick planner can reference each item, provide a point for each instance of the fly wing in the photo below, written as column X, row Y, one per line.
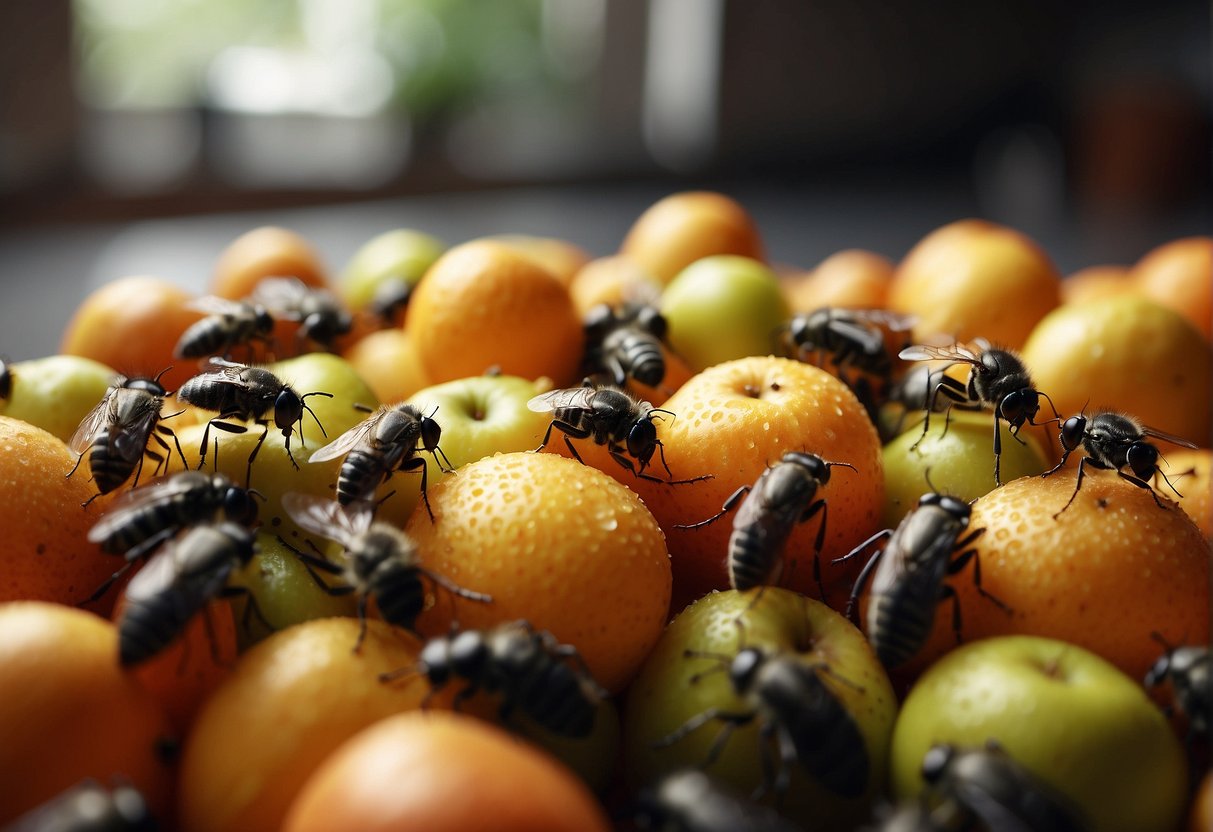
column 131, row 441
column 893, row 321
column 158, row 575
column 1155, row 433
column 215, row 305
column 568, row 397
column 347, row 441
column 282, row 296
column 96, row 419
column 931, row 352
column 326, row 518
column 871, row 338
column 222, row 371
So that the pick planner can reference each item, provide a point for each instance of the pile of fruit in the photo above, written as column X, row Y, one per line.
column 872, row 546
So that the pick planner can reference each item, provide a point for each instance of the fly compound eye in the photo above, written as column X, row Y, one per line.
column 431, row 433
column 653, row 321
column 239, row 506
column 930, row 499
column 288, row 409
column 642, row 440
column 1072, row 431
column 744, row 665
column 819, row 468
column 936, row 762
column 955, row 507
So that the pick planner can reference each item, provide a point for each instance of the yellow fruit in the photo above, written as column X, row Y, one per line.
column 976, row 279
column 1126, row 353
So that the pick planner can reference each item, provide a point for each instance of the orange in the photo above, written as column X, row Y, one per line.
column 482, row 305
column 185, row 673
column 267, row 251
column 975, row 279
column 132, row 324
column 387, row 360
column 1191, row 472
column 555, row 542
column 47, row 555
column 1179, row 274
column 684, row 227
column 852, row 279
column 1126, row 353
column 70, row 712
column 1096, row 282
column 612, row 280
column 442, row 772
column 1105, row 574
column 731, row 422
column 289, row 702
column 560, row 257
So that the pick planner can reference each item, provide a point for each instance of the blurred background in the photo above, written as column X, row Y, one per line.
column 141, row 136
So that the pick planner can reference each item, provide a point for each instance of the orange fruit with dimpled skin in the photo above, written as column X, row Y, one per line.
column 70, row 711
column 974, row 279
column 554, row 542
column 1179, row 274
column 684, row 227
column 442, row 772
column 731, row 422
column 851, row 279
column 132, row 324
column 1125, row 353
column 47, row 555
column 288, row 703
column 1110, row 570
column 483, row 305
column 267, row 251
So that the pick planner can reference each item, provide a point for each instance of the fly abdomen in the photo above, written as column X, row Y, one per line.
column 556, row 701
column 753, row 561
column 359, row 477
column 140, row 526
column 399, row 593
column 642, row 353
column 109, row 470
column 844, row 769
column 206, row 337
column 149, row 625
column 898, row 630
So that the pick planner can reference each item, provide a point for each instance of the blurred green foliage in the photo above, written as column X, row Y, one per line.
column 445, row 55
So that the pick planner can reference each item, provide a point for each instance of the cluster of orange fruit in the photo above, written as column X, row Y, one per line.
column 297, row 732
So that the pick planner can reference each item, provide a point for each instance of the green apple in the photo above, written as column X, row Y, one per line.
column 403, row 254
column 56, row 393
column 283, row 591
column 954, row 457
column 723, row 307
column 273, row 474
column 674, row 686
column 1072, row 719
column 481, row 416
